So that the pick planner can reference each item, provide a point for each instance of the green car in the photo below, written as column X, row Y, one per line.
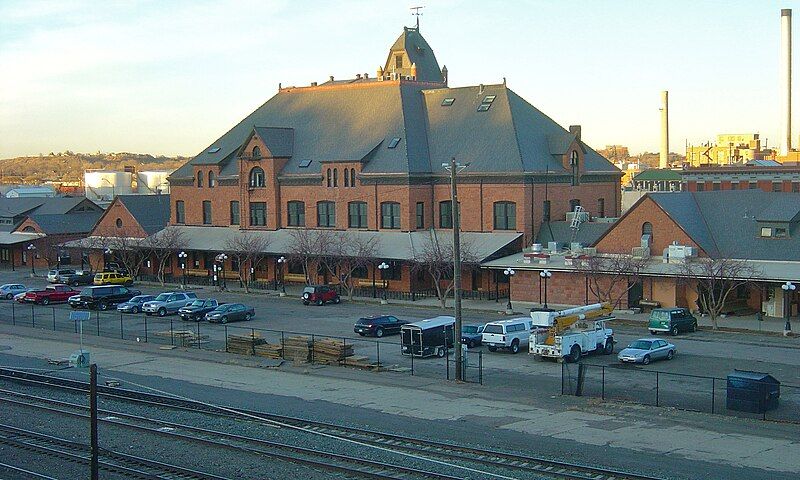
column 672, row 320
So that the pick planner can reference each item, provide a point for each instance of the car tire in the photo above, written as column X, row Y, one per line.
column 360, row 334
column 379, row 332
column 45, row 301
column 74, row 307
column 74, row 284
column 492, row 349
column 9, row 296
column 320, row 303
column 305, row 297
column 694, row 326
column 247, row 317
column 305, row 303
column 134, row 310
column 440, row 352
column 574, row 354
column 223, row 320
column 653, row 332
column 103, row 306
column 514, row 347
column 646, row 360
column 670, row 354
column 470, row 344
column 609, row 347
column 336, row 300
column 162, row 312
column 674, row 331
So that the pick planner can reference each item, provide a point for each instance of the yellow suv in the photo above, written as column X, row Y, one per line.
column 112, row 278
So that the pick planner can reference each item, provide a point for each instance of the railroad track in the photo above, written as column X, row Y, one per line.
column 435, row 451
column 127, row 465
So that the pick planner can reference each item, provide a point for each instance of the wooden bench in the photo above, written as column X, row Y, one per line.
column 294, row 277
column 367, row 283
column 649, row 304
column 192, row 272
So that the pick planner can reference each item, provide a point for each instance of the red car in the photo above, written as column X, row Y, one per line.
column 51, row 294
column 319, row 295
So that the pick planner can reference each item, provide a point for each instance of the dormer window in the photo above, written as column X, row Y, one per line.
column 394, row 142
column 199, row 179
column 257, row 177
column 574, row 166
column 766, row 231
column 398, row 61
column 780, row 232
column 256, row 152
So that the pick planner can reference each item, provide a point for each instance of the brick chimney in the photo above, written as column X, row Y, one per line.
column 576, row 130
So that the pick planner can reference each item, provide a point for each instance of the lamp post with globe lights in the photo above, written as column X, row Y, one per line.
column 383, row 267
column 183, row 256
column 544, row 275
column 281, row 262
column 221, row 260
column 788, row 289
column 32, row 256
column 509, row 272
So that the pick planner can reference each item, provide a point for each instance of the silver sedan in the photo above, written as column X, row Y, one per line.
column 646, row 350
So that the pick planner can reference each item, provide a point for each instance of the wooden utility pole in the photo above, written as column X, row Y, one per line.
column 456, row 267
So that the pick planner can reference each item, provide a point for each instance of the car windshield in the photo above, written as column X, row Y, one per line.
column 141, row 298
column 308, row 290
column 162, row 297
column 659, row 316
column 640, row 345
column 493, row 329
column 224, row 308
column 469, row 329
column 86, row 292
column 197, row 303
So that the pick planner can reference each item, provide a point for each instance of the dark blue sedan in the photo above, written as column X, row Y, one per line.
column 134, row 305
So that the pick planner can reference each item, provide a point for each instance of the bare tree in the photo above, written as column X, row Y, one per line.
column 131, row 252
column 611, row 277
column 435, row 257
column 309, row 247
column 346, row 253
column 162, row 245
column 246, row 248
column 715, row 279
column 47, row 248
column 96, row 243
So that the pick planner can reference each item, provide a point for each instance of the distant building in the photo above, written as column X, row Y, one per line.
column 769, row 178
column 730, row 149
column 658, row 180
column 615, row 153
column 32, row 191
column 104, row 185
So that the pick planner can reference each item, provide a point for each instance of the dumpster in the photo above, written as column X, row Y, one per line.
column 753, row 392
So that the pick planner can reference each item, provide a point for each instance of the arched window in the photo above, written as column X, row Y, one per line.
column 390, row 215
column 505, row 216
column 328, row 176
column 346, row 177
column 335, row 177
column 28, row 229
column 119, row 223
column 647, row 229
column 574, row 164
column 352, row 177
column 199, row 179
column 574, row 202
column 257, row 177
column 256, row 152
column 212, row 181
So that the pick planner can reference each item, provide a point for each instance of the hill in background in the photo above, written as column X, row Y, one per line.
column 69, row 167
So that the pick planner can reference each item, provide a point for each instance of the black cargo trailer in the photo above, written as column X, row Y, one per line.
column 753, row 392
column 429, row 337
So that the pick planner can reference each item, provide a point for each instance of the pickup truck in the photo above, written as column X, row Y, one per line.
column 51, row 294
column 197, row 309
column 76, row 278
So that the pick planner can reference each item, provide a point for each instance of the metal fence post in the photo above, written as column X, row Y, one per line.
column 13, row 314
column 253, row 341
column 412, row 356
column 447, row 360
column 313, row 342
column 656, row 388
column 33, row 317
column 713, row 393
column 121, row 331
column 226, row 338
column 145, row 329
column 480, row 367
column 171, row 334
column 97, row 322
column 344, row 350
column 283, row 346
column 54, row 318
column 562, row 378
column 199, row 345
column 603, row 383
column 379, row 353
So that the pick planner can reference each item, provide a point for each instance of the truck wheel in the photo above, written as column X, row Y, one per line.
column 162, row 312
column 674, row 331
column 305, row 303
column 574, row 354
column 609, row 348
column 379, row 332
column 336, row 299
column 103, row 306
column 470, row 344
column 45, row 301
column 492, row 349
column 653, row 332
column 320, row 302
column 515, row 346
column 440, row 352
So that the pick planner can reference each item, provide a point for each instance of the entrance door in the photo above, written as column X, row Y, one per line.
column 635, row 294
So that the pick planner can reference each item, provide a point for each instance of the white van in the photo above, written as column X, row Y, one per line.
column 511, row 334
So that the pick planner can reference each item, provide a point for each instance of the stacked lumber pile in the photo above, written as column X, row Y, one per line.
column 184, row 338
column 331, row 351
column 269, row 350
column 244, row 344
column 297, row 349
column 359, row 361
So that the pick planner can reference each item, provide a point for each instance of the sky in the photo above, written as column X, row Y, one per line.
column 170, row 76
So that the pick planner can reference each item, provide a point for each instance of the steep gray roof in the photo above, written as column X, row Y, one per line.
column 560, row 231
column 280, row 141
column 727, row 223
column 62, row 205
column 11, row 207
column 56, row 224
column 419, row 53
column 150, row 211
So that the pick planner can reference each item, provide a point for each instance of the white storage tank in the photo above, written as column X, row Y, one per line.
column 104, row 185
column 152, row 182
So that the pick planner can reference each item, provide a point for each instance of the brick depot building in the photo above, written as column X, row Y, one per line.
column 366, row 154
column 760, row 228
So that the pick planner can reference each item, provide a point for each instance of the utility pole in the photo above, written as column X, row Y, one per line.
column 454, row 169
column 93, row 419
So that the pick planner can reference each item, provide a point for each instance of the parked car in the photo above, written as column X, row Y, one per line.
column 168, row 302
column 103, row 297
column 115, row 267
column 112, row 278
column 20, row 297
column 378, row 325
column 509, row 334
column 134, row 305
column 52, row 275
column 672, row 320
column 51, row 294
column 472, row 335
column 646, row 350
column 76, row 278
column 197, row 309
column 319, row 295
column 8, row 290
column 230, row 312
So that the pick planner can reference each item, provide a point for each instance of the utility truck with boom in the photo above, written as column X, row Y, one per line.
column 570, row 333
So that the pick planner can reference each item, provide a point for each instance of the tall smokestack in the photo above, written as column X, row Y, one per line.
column 786, row 81
column 663, row 161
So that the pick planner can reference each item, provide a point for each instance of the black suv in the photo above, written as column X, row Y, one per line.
column 378, row 326
column 102, row 297
column 76, row 278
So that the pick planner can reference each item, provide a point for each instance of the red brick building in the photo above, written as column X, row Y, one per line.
column 365, row 155
column 768, row 178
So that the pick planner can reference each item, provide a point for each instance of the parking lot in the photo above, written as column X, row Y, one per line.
column 703, row 353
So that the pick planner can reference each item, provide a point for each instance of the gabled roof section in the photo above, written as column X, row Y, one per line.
column 73, row 223
column 63, row 205
column 560, row 142
column 782, row 209
column 684, row 210
column 559, row 231
column 414, row 47
column 150, row 211
column 11, row 207
column 279, row 141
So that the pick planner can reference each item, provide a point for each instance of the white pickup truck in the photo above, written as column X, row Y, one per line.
column 571, row 333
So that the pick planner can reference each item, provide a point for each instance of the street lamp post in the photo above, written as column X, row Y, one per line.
column 221, row 260
column 183, row 255
column 383, row 267
column 545, row 274
column 281, row 262
column 510, row 273
column 788, row 288
column 32, row 255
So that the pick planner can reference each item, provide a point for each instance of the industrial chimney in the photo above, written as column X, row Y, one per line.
column 663, row 161
column 786, row 81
